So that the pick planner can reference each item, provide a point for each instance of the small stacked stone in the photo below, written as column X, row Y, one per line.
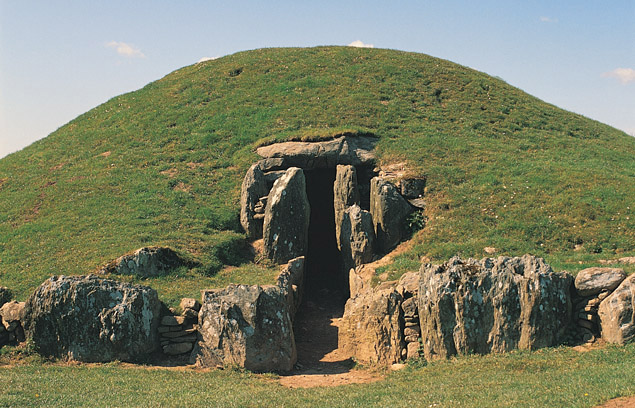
column 412, row 330
column 11, row 315
column 179, row 333
column 592, row 285
column 259, row 208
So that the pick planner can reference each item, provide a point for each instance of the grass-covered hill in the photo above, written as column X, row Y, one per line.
column 163, row 166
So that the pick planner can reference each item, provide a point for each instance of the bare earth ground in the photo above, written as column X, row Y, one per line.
column 626, row 402
column 320, row 362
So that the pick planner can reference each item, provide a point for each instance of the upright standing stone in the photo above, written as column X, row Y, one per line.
column 389, row 210
column 287, row 217
column 617, row 313
column 345, row 194
column 357, row 237
column 247, row 326
column 253, row 188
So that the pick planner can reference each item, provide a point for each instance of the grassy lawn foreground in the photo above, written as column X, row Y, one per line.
column 559, row 377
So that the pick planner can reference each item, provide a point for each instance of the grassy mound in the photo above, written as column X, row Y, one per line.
column 163, row 166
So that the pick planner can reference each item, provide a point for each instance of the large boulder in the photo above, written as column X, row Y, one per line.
column 353, row 150
column 372, row 326
column 591, row 281
column 89, row 319
column 389, row 211
column 287, row 217
column 145, row 262
column 357, row 237
column 492, row 306
column 247, row 326
column 291, row 283
column 253, row 188
column 617, row 313
column 345, row 194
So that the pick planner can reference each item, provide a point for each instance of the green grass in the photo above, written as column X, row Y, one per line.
column 547, row 378
column 163, row 165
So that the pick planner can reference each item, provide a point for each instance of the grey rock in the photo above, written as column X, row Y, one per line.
column 11, row 313
column 353, row 150
column 345, row 194
column 389, row 211
column 272, row 164
column 291, row 283
column 357, row 237
column 253, row 188
column 409, row 307
column 592, row 281
column 287, row 218
column 492, row 306
column 189, row 303
column 5, row 295
column 409, row 284
column 617, row 313
column 413, row 188
column 413, row 350
column 172, row 320
column 145, row 262
column 247, row 326
column 90, row 319
column 372, row 326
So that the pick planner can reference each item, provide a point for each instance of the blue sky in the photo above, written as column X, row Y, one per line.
column 59, row 59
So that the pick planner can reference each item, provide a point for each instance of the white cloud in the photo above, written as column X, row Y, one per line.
column 360, row 44
column 126, row 50
column 545, row 19
column 630, row 131
column 206, row 59
column 624, row 75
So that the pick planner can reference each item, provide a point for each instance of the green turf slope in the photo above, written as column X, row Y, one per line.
column 163, row 165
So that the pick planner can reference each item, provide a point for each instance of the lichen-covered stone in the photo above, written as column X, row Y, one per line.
column 145, row 262
column 357, row 237
column 253, row 188
column 247, row 326
column 389, row 211
column 492, row 305
column 591, row 281
column 90, row 319
column 291, row 283
column 617, row 313
column 372, row 325
column 287, row 217
column 345, row 194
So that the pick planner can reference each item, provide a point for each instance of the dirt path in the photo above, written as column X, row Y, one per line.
column 626, row 402
column 320, row 362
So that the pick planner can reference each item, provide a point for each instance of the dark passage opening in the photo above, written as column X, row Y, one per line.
column 324, row 274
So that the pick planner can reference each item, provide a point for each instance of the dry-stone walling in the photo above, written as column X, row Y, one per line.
column 179, row 333
column 90, row 319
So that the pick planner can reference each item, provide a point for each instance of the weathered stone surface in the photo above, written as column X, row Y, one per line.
column 5, row 295
column 353, row 150
column 409, row 284
column 409, row 307
column 617, row 313
column 254, row 186
column 174, row 349
column 389, row 211
column 371, row 326
column 291, row 283
column 172, row 320
column 591, row 281
column 413, row 187
column 248, row 326
column 11, row 313
column 345, row 194
column 357, row 237
column 413, row 350
column 89, row 319
column 145, row 262
column 492, row 305
column 287, row 218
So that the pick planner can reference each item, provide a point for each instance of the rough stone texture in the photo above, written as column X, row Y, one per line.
column 248, row 326
column 90, row 319
column 5, row 295
column 413, row 187
column 291, row 283
column 591, row 281
column 357, row 237
column 189, row 303
column 287, row 218
column 372, row 326
column 145, row 262
column 617, row 313
column 492, row 305
column 353, row 150
column 409, row 284
column 345, row 194
column 389, row 210
column 254, row 186
column 11, row 314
